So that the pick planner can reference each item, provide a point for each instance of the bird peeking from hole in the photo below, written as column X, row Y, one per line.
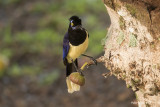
column 75, row 43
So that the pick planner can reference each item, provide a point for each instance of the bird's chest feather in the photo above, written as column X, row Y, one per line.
column 76, row 51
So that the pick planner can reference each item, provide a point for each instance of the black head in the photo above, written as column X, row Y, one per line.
column 74, row 21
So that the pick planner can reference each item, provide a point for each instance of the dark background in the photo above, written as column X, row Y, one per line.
column 32, row 73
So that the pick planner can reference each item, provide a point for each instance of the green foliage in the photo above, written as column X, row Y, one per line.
column 36, row 46
column 3, row 64
column 75, row 7
column 58, row 22
column 37, row 42
column 49, row 78
column 8, row 2
column 39, row 7
column 95, row 41
column 15, row 70
column 91, row 22
column 7, row 35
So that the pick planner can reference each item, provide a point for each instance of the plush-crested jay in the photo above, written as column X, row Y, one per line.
column 75, row 43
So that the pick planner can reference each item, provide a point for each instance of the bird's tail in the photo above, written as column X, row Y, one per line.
column 70, row 85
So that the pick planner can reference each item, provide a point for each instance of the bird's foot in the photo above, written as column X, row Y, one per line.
column 80, row 71
column 74, row 65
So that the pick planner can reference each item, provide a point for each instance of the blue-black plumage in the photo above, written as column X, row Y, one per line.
column 75, row 43
column 65, row 47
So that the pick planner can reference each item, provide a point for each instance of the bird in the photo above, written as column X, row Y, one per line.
column 75, row 43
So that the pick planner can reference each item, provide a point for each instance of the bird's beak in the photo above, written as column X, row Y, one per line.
column 72, row 23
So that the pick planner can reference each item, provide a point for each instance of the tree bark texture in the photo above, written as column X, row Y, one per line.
column 132, row 47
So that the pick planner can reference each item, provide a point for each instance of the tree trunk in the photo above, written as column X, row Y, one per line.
column 132, row 47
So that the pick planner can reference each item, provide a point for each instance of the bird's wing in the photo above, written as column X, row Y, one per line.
column 65, row 47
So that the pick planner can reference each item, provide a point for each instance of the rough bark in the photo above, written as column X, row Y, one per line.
column 132, row 47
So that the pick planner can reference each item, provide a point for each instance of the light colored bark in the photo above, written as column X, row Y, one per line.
column 132, row 52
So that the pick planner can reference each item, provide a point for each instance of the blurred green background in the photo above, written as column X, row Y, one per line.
column 31, row 67
column 31, row 33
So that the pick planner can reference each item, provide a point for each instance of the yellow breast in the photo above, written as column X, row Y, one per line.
column 76, row 51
